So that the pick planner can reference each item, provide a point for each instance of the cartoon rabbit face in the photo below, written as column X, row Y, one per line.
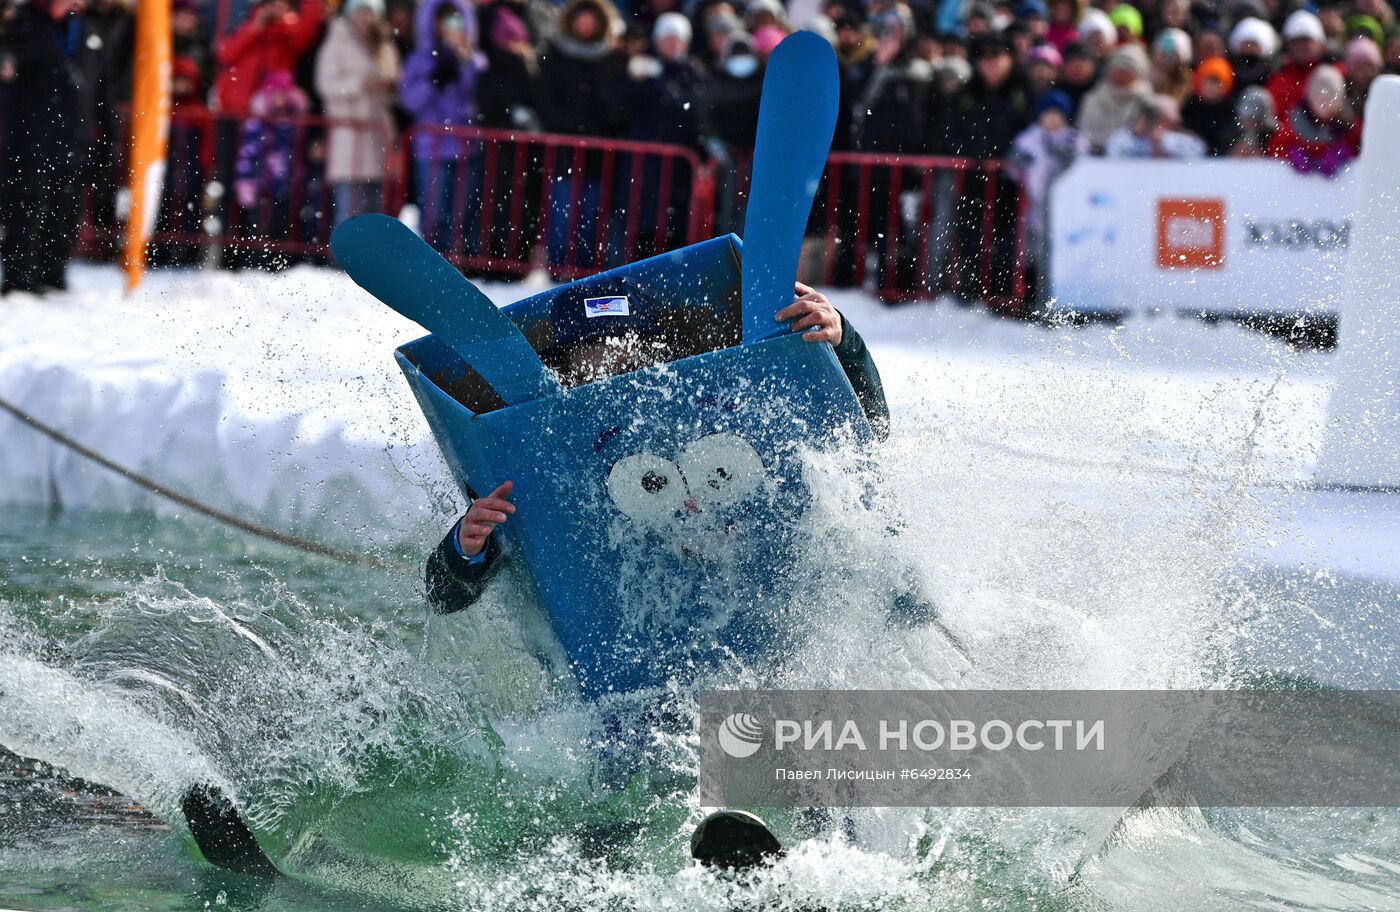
column 709, row 478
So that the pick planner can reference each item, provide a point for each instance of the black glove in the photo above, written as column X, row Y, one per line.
column 447, row 70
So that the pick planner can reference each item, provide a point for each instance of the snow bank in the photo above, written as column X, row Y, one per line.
column 276, row 397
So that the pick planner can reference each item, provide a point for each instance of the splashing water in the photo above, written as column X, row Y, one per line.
column 1081, row 518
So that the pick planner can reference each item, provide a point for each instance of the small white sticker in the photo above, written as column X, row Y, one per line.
column 610, row 306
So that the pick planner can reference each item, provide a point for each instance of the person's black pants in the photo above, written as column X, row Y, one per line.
column 40, row 212
column 986, row 242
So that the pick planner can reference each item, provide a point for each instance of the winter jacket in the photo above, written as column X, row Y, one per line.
column 438, row 89
column 254, row 50
column 1043, row 156
column 105, row 57
column 987, row 120
column 1212, row 121
column 578, row 82
column 352, row 81
column 665, row 108
column 507, row 93
column 1108, row 108
column 1311, row 145
column 731, row 109
column 1290, row 83
column 455, row 581
column 268, row 147
column 50, row 113
column 889, row 111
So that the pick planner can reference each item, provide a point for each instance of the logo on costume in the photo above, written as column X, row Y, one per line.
column 740, row 735
column 609, row 306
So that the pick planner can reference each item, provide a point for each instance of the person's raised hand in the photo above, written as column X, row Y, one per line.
column 482, row 518
column 813, row 316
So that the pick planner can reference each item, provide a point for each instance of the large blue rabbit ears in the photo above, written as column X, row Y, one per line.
column 796, row 120
column 389, row 261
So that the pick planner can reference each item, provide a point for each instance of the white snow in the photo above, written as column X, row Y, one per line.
column 276, row 397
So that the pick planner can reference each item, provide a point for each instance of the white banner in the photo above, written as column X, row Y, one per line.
column 1221, row 236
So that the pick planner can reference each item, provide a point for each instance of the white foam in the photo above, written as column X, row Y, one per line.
column 1364, row 446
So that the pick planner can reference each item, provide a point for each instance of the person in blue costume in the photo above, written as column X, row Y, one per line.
column 460, row 568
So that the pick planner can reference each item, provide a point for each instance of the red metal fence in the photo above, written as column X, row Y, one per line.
column 268, row 192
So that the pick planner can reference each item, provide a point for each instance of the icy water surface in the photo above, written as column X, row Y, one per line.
column 393, row 760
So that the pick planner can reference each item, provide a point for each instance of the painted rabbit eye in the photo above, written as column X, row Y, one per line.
column 721, row 469
column 647, row 488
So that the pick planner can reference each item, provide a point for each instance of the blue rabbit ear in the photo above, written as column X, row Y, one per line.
column 796, row 120
column 389, row 261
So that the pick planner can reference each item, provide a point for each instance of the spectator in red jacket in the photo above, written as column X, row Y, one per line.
column 273, row 39
column 1322, row 133
column 1304, row 49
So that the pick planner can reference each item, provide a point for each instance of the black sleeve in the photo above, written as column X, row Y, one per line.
column 865, row 378
column 454, row 582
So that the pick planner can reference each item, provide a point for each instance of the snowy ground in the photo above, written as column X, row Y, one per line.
column 275, row 397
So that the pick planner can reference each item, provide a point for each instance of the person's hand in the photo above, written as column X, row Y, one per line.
column 482, row 518
column 813, row 316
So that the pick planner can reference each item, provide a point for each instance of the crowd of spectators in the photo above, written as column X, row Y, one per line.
column 1032, row 84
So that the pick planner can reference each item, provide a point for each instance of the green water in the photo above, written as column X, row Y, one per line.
column 348, row 719
column 391, row 760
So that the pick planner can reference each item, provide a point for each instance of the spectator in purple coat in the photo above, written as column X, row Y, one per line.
column 439, row 90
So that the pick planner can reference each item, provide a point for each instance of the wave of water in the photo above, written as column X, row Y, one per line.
column 429, row 762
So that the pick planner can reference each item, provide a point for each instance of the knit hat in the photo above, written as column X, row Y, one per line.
column 1362, row 24
column 1256, row 30
column 766, row 38
column 1303, row 24
column 1175, row 42
column 723, row 24
column 508, row 29
column 1044, row 53
column 1054, row 100
column 1326, row 78
column 1096, row 22
column 1255, row 103
column 953, row 67
column 1362, row 50
column 1075, row 49
column 981, row 10
column 1217, row 68
column 671, row 25
column 989, row 46
column 756, row 8
column 1032, row 9
column 1130, row 57
column 896, row 16
column 1126, row 16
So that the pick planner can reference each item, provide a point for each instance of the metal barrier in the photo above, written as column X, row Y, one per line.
column 256, row 190
column 908, row 227
column 253, row 193
column 506, row 202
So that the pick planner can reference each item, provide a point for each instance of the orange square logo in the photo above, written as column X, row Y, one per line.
column 1190, row 233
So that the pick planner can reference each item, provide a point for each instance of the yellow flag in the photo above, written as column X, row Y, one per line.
column 150, row 129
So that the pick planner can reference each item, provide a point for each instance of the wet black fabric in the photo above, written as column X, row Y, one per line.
column 455, row 582
column 47, row 129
